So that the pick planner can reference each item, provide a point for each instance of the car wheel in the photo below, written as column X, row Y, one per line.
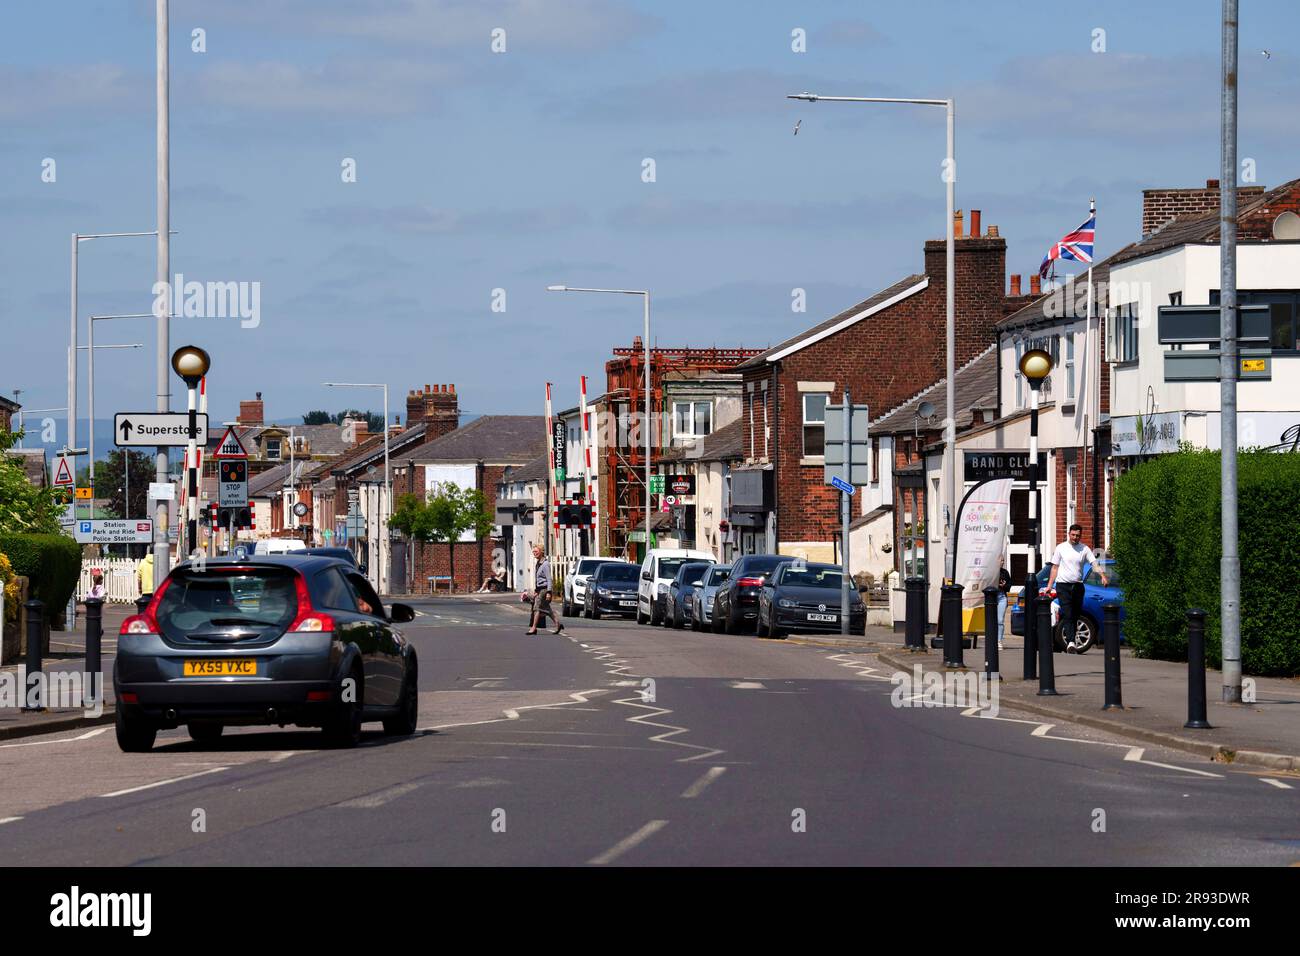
column 695, row 622
column 732, row 623
column 1085, row 635
column 640, row 618
column 343, row 727
column 774, row 632
column 716, row 625
column 135, row 734
column 205, row 733
column 403, row 723
column 654, row 614
column 594, row 614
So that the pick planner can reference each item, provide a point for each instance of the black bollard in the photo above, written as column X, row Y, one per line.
column 1046, row 665
column 1197, row 719
column 35, row 627
column 915, row 614
column 142, row 603
column 950, row 611
column 94, row 641
column 1031, row 627
column 991, row 663
column 1110, row 634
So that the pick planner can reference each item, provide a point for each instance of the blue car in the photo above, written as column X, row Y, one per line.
column 1095, row 597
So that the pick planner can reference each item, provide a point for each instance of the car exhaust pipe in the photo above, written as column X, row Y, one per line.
column 270, row 715
column 170, row 713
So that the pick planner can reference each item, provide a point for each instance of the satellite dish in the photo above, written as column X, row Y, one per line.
column 1286, row 226
column 926, row 410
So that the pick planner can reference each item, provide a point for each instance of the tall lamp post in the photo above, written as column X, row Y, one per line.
column 191, row 363
column 1035, row 365
column 381, row 577
column 645, row 294
column 90, row 348
column 949, row 426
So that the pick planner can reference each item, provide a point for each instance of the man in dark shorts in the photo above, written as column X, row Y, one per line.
column 542, row 593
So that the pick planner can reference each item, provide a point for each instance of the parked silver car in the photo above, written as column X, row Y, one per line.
column 702, row 606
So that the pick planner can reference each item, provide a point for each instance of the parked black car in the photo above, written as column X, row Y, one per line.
column 806, row 597
column 682, row 591
column 735, row 606
column 275, row 639
column 611, row 589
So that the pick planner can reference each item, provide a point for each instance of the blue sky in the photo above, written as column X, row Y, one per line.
column 479, row 171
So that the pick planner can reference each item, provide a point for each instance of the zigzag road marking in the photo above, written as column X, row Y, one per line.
column 673, row 729
column 863, row 670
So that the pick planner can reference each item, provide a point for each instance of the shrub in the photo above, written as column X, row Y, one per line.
column 9, row 581
column 51, row 561
column 1168, row 547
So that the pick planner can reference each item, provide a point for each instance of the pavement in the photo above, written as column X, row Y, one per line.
column 1264, row 733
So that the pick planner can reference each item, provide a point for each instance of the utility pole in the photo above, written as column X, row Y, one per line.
column 845, row 509
column 1230, row 563
column 161, row 562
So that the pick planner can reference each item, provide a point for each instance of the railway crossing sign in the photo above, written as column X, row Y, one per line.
column 230, row 446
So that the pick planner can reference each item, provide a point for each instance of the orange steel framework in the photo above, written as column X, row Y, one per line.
column 622, row 498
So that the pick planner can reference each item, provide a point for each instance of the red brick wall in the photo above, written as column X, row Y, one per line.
column 1259, row 225
column 473, row 559
column 1159, row 206
column 884, row 360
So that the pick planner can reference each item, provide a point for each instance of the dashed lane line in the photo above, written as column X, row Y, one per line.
column 10, row 819
column 699, row 786
column 163, row 783
column 628, row 843
column 377, row 799
column 1275, row 783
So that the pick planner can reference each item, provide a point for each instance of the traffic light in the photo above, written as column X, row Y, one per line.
column 574, row 514
column 243, row 517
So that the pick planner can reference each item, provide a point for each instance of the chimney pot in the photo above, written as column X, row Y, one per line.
column 993, row 232
column 426, row 389
column 975, row 223
column 957, row 220
column 1035, row 284
column 1211, row 184
column 1015, row 285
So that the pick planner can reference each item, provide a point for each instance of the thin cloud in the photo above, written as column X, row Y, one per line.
column 430, row 221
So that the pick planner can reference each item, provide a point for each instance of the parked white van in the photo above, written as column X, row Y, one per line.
column 657, row 572
column 278, row 546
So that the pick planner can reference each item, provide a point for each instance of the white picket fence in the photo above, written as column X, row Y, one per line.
column 119, row 579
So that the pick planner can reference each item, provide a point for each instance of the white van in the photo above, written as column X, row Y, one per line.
column 278, row 546
column 657, row 572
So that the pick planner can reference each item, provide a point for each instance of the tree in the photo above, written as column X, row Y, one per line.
column 374, row 420
column 23, row 506
column 443, row 516
column 318, row 417
column 109, row 483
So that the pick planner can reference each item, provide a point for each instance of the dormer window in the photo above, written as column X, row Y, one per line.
column 272, row 449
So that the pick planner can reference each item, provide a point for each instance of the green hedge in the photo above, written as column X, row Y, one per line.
column 51, row 561
column 1168, row 546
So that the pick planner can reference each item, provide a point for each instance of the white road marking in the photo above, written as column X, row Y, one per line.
column 746, row 685
column 163, row 783
column 1134, row 755
column 864, row 670
column 378, row 798
column 285, row 755
column 698, row 787
column 61, row 740
column 9, row 819
column 627, row 843
column 578, row 697
column 1268, row 780
column 673, row 729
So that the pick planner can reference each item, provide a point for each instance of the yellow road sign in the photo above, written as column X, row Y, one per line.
column 1253, row 365
column 84, row 493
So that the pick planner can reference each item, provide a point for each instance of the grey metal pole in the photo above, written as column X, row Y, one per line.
column 647, row 421
column 949, row 431
column 1230, row 564
column 72, row 353
column 845, row 509
column 161, row 563
column 90, row 405
column 386, row 545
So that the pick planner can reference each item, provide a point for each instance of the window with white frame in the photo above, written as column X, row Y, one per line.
column 1126, row 333
column 766, row 427
column 814, row 424
column 1020, row 379
column 273, row 449
column 751, row 425
column 1069, row 366
column 692, row 419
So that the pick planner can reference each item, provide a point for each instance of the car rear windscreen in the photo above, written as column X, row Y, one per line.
column 588, row 567
column 717, row 575
column 618, row 572
column 260, row 600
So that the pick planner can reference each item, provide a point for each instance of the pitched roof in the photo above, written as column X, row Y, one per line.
column 372, row 449
column 864, row 309
column 499, row 439
column 1050, row 307
column 1200, row 229
column 723, row 445
column 535, row 470
column 975, row 386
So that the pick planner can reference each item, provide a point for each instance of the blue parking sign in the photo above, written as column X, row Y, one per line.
column 85, row 527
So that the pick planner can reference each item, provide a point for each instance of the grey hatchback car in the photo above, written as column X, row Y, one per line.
column 267, row 639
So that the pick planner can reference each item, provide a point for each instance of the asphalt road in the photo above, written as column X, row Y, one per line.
column 555, row 750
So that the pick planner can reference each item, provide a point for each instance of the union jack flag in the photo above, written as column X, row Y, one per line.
column 1076, row 245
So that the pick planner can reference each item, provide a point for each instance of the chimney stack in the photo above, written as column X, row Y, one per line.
column 1015, row 286
column 992, row 233
column 974, row 223
column 1035, row 284
column 252, row 413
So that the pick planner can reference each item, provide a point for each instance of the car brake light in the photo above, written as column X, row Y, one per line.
column 128, row 698
column 749, row 582
column 309, row 620
column 146, row 623
column 318, row 695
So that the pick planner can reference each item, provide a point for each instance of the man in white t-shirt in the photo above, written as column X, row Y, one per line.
column 1068, row 563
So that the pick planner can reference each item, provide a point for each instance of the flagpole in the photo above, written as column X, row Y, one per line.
column 1091, row 414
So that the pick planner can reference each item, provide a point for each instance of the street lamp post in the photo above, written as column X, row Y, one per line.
column 191, row 363
column 646, row 296
column 381, row 577
column 949, row 426
column 90, row 348
column 1035, row 365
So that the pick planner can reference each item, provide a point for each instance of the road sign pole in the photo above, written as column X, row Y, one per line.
column 192, row 475
column 846, row 508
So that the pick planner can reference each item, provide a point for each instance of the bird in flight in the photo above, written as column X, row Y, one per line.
column 796, row 127
column 1266, row 54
